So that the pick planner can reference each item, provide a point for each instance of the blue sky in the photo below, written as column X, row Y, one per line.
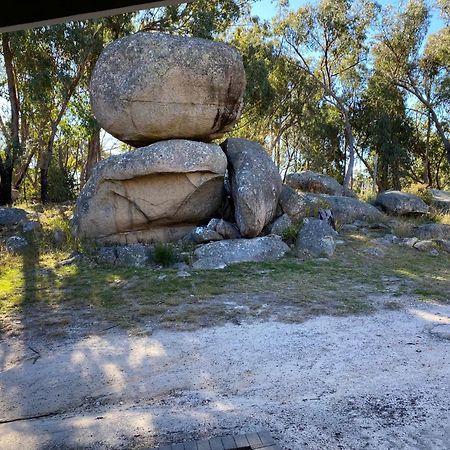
column 266, row 9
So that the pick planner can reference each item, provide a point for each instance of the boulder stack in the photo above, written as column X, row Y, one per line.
column 170, row 96
column 155, row 193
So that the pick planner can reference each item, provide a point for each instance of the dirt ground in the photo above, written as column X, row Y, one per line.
column 376, row 380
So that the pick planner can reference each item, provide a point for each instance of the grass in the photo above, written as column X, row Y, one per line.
column 288, row 289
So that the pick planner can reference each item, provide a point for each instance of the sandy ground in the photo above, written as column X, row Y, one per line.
column 379, row 381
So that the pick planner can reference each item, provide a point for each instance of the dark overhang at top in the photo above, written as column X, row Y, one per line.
column 33, row 13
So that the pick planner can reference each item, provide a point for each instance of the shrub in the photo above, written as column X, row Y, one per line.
column 422, row 191
column 164, row 254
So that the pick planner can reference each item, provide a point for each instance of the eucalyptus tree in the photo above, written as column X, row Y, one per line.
column 417, row 62
column 385, row 134
column 328, row 42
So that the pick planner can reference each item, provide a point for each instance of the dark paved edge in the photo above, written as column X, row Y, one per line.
column 262, row 440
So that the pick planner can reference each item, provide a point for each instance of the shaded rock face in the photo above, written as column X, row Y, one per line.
column 441, row 200
column 317, row 183
column 219, row 254
column 316, row 238
column 348, row 209
column 151, row 86
column 11, row 216
column 155, row 193
column 432, row 231
column 255, row 185
column 401, row 203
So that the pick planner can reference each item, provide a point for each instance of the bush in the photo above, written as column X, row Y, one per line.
column 164, row 254
column 422, row 191
column 290, row 234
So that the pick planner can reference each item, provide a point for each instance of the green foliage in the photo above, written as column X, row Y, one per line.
column 164, row 254
column 422, row 191
column 290, row 234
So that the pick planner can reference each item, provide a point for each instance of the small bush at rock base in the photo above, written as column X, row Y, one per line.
column 164, row 254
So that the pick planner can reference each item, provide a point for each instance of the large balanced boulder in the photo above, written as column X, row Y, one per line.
column 401, row 203
column 317, row 183
column 151, row 86
column 219, row 254
column 155, row 193
column 255, row 185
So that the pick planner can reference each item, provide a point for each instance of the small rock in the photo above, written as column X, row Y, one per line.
column 16, row 245
column 433, row 252
column 316, row 238
column 387, row 239
column 183, row 274
column 11, row 216
column 375, row 251
column 409, row 242
column 424, row 246
column 212, row 224
column 201, row 235
column 30, row 226
column 59, row 236
column 227, row 230
column 280, row 225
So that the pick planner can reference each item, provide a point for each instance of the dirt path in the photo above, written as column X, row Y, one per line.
column 377, row 381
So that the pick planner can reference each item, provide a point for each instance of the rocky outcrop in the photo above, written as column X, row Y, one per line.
column 317, row 183
column 148, row 87
column 401, row 203
column 217, row 255
column 155, row 193
column 12, row 216
column 255, row 185
column 316, row 238
column 440, row 200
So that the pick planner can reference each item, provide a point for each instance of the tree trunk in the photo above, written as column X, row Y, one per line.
column 44, row 184
column 94, row 154
column 13, row 139
column 351, row 153
column 6, row 174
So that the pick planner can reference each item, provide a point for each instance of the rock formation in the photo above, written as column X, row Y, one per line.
column 255, row 185
column 155, row 193
column 148, row 87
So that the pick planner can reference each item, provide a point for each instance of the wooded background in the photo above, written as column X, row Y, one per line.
column 349, row 88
